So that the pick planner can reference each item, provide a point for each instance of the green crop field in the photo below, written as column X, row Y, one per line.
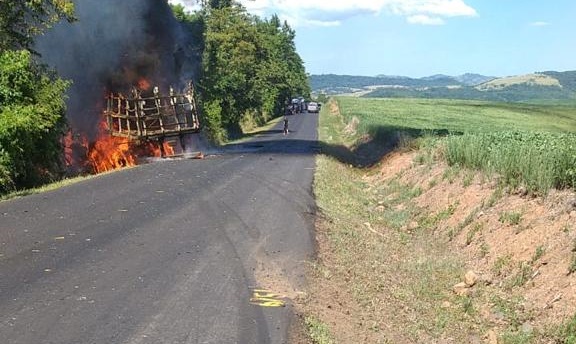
column 529, row 145
column 457, row 115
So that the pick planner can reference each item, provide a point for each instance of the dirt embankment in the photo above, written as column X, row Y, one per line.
column 514, row 242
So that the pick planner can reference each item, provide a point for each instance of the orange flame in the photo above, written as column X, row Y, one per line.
column 153, row 149
column 67, row 142
column 168, row 149
column 111, row 153
column 143, row 84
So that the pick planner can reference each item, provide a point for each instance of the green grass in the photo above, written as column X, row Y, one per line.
column 45, row 188
column 388, row 268
column 457, row 115
column 512, row 218
column 526, row 145
column 318, row 331
column 566, row 333
column 537, row 161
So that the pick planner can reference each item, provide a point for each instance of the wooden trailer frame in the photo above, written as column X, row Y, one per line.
column 141, row 119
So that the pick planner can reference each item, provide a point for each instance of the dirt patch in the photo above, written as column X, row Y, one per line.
column 534, row 236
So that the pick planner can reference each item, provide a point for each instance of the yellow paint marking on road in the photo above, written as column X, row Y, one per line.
column 266, row 298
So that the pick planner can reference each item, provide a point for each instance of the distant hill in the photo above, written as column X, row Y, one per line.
column 548, row 85
column 566, row 79
column 473, row 79
column 332, row 83
column 528, row 80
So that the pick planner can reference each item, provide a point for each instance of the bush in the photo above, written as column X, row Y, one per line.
column 31, row 121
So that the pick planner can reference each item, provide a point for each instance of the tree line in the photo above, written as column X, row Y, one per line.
column 249, row 70
column 32, row 98
column 511, row 93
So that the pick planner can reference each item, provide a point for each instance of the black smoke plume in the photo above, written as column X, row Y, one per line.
column 113, row 45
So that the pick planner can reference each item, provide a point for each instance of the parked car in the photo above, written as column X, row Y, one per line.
column 313, row 107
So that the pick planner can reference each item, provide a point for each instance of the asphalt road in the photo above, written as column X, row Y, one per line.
column 177, row 251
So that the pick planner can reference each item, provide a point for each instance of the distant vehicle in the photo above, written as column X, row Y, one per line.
column 313, row 107
column 298, row 105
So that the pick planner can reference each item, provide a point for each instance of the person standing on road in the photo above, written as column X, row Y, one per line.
column 285, row 125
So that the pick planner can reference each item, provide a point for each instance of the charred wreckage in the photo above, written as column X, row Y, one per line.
column 141, row 118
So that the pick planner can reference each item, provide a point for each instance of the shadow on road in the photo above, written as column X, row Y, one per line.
column 365, row 153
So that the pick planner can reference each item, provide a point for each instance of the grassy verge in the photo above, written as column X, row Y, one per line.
column 391, row 274
column 45, row 188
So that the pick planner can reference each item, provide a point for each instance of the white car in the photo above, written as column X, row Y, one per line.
column 313, row 107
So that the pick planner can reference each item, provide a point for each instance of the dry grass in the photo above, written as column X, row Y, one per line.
column 531, row 79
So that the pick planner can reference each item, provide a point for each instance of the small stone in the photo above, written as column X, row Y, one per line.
column 491, row 337
column 498, row 316
column 474, row 339
column 527, row 328
column 470, row 278
column 461, row 289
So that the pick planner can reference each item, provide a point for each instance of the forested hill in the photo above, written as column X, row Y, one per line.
column 332, row 83
column 566, row 79
column 549, row 85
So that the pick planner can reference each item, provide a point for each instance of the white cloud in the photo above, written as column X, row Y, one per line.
column 425, row 20
column 334, row 12
column 540, row 23
column 189, row 4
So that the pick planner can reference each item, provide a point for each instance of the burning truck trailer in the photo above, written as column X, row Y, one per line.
column 161, row 120
column 114, row 55
column 135, row 127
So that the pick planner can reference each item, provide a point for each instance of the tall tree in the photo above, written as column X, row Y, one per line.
column 250, row 67
column 22, row 20
column 31, row 98
column 229, row 65
column 31, row 121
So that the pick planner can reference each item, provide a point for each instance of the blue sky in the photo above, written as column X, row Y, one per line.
column 424, row 37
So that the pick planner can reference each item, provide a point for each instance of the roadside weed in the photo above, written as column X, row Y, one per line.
column 496, row 195
column 318, row 331
column 566, row 332
column 540, row 251
column 516, row 337
column 512, row 218
column 472, row 232
column 502, row 265
column 523, row 275
column 572, row 265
